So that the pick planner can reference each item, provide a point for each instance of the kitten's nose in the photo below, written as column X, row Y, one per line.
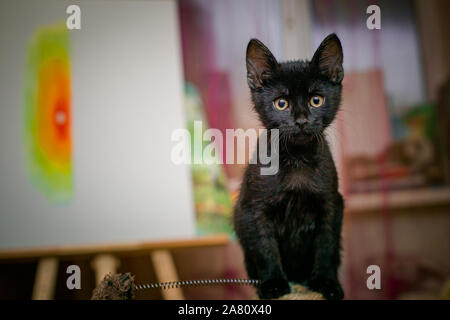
column 301, row 122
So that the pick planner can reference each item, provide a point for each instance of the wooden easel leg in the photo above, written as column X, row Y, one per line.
column 104, row 264
column 45, row 279
column 166, row 271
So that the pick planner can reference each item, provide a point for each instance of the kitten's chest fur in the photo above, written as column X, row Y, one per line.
column 299, row 202
column 295, row 208
column 294, row 216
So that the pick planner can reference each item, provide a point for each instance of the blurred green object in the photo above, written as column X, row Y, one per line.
column 422, row 118
column 213, row 205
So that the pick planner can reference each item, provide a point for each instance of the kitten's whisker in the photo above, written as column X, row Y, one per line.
column 323, row 142
column 286, row 145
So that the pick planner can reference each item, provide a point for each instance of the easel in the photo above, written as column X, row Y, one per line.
column 105, row 261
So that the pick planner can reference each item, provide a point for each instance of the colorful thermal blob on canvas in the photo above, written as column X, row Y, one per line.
column 48, row 138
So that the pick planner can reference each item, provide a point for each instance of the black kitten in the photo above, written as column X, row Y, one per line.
column 289, row 223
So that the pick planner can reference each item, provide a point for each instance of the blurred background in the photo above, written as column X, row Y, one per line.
column 390, row 141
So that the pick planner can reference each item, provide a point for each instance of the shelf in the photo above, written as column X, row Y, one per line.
column 398, row 199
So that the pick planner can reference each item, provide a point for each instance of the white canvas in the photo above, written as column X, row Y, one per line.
column 126, row 76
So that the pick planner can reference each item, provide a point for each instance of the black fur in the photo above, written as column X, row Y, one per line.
column 289, row 224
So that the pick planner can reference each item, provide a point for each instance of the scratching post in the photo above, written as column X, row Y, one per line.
column 300, row 292
column 122, row 287
column 115, row 287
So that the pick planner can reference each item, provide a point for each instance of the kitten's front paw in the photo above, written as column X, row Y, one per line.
column 329, row 288
column 273, row 288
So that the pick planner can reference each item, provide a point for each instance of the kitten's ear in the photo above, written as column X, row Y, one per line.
column 329, row 58
column 260, row 64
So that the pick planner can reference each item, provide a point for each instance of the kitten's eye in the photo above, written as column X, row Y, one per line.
column 316, row 101
column 281, row 104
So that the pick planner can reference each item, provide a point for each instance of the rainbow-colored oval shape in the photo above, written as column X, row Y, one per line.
column 47, row 110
